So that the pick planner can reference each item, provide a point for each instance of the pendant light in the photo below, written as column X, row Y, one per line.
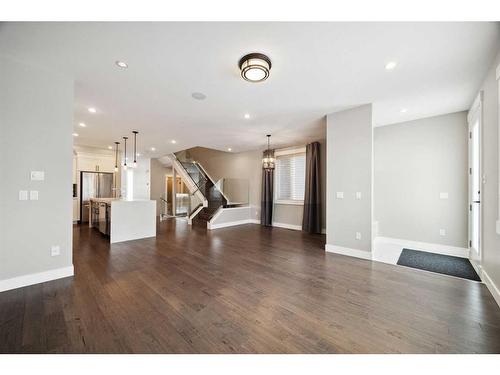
column 268, row 159
column 116, row 156
column 125, row 153
column 135, row 148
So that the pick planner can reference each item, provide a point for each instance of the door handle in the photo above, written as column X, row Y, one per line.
column 476, row 201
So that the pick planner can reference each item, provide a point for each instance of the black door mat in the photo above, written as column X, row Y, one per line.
column 445, row 264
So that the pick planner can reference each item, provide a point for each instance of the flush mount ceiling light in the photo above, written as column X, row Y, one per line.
column 390, row 65
column 173, row 141
column 229, row 149
column 92, row 110
column 153, row 149
column 121, row 64
column 255, row 67
column 198, row 96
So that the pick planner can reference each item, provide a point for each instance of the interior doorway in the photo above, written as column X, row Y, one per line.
column 474, row 119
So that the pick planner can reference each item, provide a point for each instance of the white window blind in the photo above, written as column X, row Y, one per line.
column 290, row 177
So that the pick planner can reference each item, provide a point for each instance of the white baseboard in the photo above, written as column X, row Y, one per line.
column 35, row 278
column 232, row 223
column 461, row 252
column 492, row 287
column 287, row 226
column 349, row 252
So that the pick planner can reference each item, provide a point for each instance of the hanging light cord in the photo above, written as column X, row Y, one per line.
column 125, row 152
column 135, row 145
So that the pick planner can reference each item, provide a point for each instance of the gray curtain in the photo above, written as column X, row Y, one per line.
column 311, row 221
column 266, row 209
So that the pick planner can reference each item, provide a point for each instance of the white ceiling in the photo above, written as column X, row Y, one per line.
column 317, row 68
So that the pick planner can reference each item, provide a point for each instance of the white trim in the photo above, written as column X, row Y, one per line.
column 461, row 252
column 498, row 226
column 35, row 278
column 289, row 201
column 287, row 226
column 492, row 287
column 349, row 252
column 498, row 72
column 290, row 151
column 232, row 224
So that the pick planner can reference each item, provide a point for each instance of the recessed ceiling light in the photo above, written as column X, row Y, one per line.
column 173, row 141
column 229, row 149
column 153, row 149
column 255, row 67
column 110, row 147
column 198, row 96
column 390, row 65
column 138, row 154
column 121, row 64
column 92, row 110
column 403, row 110
column 75, row 134
column 247, row 115
column 82, row 124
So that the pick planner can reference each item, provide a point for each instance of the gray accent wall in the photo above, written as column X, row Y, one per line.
column 414, row 162
column 36, row 119
column 247, row 165
column 349, row 170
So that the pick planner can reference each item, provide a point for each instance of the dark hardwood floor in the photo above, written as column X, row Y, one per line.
column 243, row 289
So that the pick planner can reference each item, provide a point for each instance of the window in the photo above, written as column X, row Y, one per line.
column 290, row 176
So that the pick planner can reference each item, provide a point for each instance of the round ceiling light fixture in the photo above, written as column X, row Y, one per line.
column 255, row 67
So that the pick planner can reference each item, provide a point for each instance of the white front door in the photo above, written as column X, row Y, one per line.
column 474, row 120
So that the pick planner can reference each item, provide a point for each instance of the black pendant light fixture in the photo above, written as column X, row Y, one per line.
column 125, row 153
column 116, row 156
column 135, row 148
column 268, row 159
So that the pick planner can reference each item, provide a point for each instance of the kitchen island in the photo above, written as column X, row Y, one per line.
column 123, row 220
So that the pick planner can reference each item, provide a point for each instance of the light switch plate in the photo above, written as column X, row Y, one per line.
column 37, row 175
column 443, row 195
column 55, row 250
column 358, row 235
column 340, row 195
column 23, row 195
column 442, row 232
column 33, row 195
column 358, row 195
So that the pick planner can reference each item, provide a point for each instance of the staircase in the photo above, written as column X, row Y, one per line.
column 201, row 182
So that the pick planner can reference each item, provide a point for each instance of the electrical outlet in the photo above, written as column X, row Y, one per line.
column 340, row 195
column 55, row 250
column 442, row 232
column 358, row 235
column 33, row 195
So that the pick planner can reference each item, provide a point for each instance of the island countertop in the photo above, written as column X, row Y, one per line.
column 127, row 219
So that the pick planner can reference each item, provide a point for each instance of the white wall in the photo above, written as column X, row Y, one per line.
column 490, row 165
column 36, row 112
column 349, row 170
column 140, row 178
column 414, row 162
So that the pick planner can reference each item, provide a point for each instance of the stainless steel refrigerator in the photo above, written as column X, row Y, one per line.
column 93, row 185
